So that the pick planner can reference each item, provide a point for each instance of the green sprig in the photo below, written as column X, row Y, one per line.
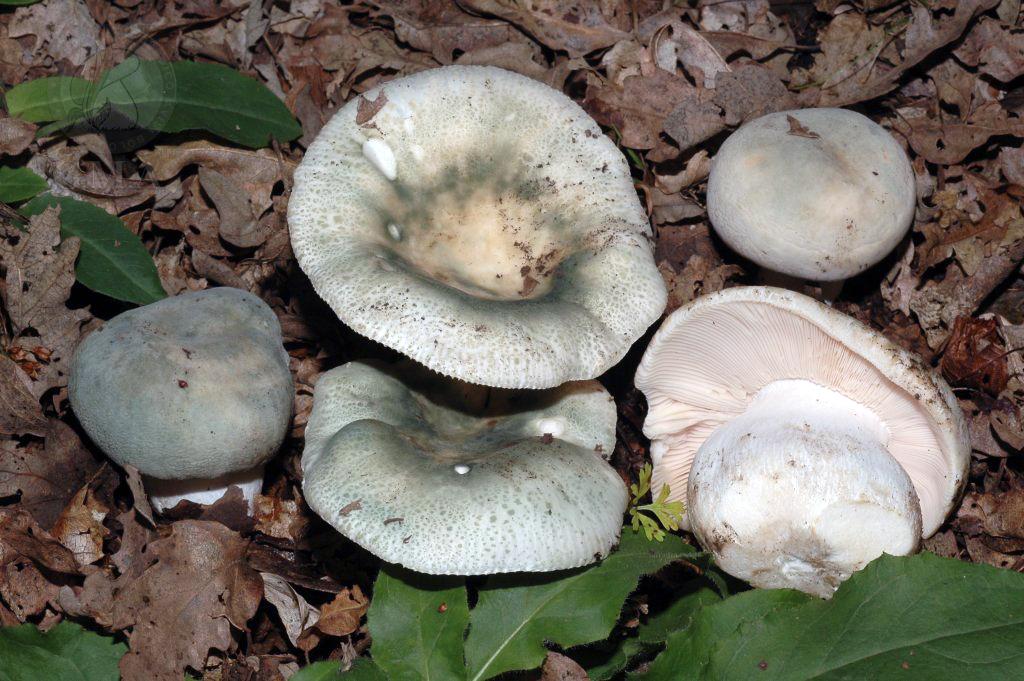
column 660, row 513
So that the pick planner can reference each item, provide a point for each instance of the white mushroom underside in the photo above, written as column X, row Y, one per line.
column 165, row 494
column 711, row 357
column 481, row 223
column 799, row 491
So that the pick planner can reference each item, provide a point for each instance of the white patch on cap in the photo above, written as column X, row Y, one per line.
column 552, row 426
column 380, row 155
column 461, row 468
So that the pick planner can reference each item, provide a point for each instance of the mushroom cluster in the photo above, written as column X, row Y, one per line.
column 480, row 223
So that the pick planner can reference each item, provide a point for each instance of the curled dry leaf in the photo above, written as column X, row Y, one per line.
column 25, row 590
column 22, row 538
column 40, row 274
column 20, row 413
column 180, row 600
column 341, row 616
column 80, row 527
column 45, row 477
column 15, row 135
column 296, row 614
column 975, row 356
column 576, row 27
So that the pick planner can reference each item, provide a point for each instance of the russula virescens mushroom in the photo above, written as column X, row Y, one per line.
column 452, row 478
column 814, row 194
column 193, row 390
column 480, row 223
column 804, row 443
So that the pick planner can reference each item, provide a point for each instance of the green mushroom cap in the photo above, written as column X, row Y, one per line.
column 194, row 386
column 461, row 479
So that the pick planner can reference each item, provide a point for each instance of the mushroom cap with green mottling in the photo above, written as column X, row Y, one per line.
column 481, row 223
column 460, row 479
column 194, row 386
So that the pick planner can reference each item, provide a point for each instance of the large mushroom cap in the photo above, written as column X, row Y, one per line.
column 481, row 223
column 821, row 194
column 712, row 357
column 464, row 480
column 194, row 386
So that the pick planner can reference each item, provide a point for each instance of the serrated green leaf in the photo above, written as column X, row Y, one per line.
column 112, row 260
column 18, row 184
column 417, row 623
column 50, row 99
column 650, row 634
column 65, row 653
column 516, row 614
column 914, row 617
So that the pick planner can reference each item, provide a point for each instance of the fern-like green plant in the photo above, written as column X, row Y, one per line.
column 660, row 513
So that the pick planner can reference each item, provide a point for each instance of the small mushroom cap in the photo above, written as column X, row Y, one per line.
column 439, row 485
column 481, row 223
column 823, row 198
column 712, row 356
column 194, row 386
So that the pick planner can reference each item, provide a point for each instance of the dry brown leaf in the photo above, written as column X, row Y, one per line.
column 995, row 49
column 577, row 27
column 25, row 590
column 46, row 477
column 194, row 587
column 40, row 273
column 750, row 91
column 677, row 42
column 15, row 135
column 442, row 27
column 558, row 667
column 340, row 616
column 20, row 413
column 21, row 537
column 80, row 527
column 279, row 518
column 296, row 614
column 975, row 356
column 65, row 27
column 946, row 142
column 638, row 110
column 87, row 180
column 238, row 225
column 255, row 171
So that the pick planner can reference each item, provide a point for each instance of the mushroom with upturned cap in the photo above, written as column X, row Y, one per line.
column 816, row 194
column 805, row 443
column 480, row 223
column 193, row 390
column 450, row 478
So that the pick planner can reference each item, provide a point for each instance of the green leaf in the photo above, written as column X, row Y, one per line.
column 65, row 653
column 160, row 96
column 50, row 99
column 361, row 670
column 417, row 623
column 516, row 614
column 18, row 184
column 112, row 260
column 17, row 3
column 651, row 634
column 916, row 617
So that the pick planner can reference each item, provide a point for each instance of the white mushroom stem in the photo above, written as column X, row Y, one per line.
column 825, row 291
column 799, row 491
column 165, row 494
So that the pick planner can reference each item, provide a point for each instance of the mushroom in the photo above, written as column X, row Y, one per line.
column 450, row 478
column 804, row 443
column 193, row 390
column 816, row 194
column 480, row 223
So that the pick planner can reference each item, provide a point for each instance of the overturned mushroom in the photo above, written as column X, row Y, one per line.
column 481, row 223
column 193, row 390
column 816, row 194
column 804, row 443
column 461, row 479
